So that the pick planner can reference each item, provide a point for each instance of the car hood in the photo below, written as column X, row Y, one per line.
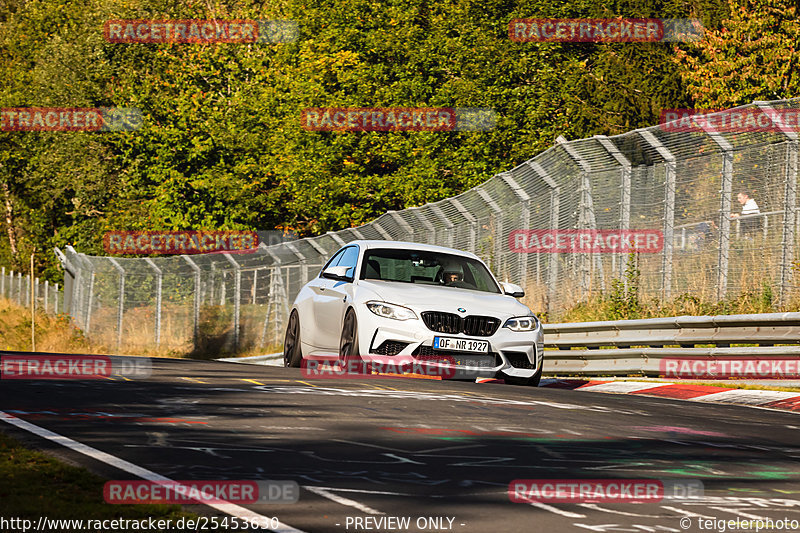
column 448, row 299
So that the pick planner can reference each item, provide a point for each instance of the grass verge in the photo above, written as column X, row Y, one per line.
column 34, row 485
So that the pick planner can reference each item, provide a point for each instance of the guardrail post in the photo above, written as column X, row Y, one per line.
column 790, row 202
column 121, row 302
column 669, row 210
column 159, row 283
column 237, row 298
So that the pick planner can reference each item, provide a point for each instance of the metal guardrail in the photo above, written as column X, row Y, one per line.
column 639, row 346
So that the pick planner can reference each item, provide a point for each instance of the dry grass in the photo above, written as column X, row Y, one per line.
column 57, row 334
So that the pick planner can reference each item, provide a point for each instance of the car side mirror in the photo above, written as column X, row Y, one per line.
column 338, row 273
column 512, row 290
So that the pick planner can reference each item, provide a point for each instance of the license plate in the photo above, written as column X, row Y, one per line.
column 460, row 345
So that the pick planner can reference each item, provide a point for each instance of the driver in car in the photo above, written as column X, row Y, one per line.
column 452, row 277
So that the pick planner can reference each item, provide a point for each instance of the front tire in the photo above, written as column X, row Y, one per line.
column 348, row 343
column 292, row 354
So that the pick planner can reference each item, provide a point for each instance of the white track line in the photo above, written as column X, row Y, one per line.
column 116, row 462
column 325, row 493
column 556, row 510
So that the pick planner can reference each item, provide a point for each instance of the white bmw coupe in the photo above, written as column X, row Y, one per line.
column 389, row 298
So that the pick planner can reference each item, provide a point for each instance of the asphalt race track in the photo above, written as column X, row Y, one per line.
column 421, row 448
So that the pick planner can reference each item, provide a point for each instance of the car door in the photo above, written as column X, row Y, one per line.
column 333, row 300
column 320, row 302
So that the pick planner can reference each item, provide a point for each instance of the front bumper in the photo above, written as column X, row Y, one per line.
column 513, row 353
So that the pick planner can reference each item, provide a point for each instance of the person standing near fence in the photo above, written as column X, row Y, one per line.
column 750, row 224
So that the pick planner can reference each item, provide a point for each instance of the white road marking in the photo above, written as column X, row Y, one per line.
column 737, row 512
column 596, row 507
column 556, row 510
column 684, row 512
column 149, row 475
column 325, row 493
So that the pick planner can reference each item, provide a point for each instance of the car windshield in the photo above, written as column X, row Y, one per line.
column 427, row 268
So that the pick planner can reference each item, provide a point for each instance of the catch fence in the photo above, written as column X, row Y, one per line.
column 684, row 184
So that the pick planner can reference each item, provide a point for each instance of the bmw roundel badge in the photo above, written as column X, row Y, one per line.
column 462, row 310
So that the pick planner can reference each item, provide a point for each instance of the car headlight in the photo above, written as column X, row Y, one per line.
column 522, row 323
column 397, row 312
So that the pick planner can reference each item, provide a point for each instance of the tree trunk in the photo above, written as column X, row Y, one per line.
column 9, row 208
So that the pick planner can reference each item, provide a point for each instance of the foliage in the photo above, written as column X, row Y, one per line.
column 222, row 147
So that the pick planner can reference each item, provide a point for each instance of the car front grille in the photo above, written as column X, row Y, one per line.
column 478, row 326
column 390, row 348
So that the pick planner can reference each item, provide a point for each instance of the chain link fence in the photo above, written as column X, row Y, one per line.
column 683, row 184
column 16, row 287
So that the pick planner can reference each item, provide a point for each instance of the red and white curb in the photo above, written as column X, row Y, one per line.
column 788, row 401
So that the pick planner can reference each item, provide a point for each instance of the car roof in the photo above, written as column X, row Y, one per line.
column 404, row 245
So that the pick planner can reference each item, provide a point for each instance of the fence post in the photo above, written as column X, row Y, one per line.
column 790, row 201
column 403, row 224
column 497, row 214
column 159, row 283
column 46, row 296
column 669, row 210
column 237, row 297
column 425, row 222
column 625, row 195
column 19, row 288
column 587, row 219
column 91, row 298
column 196, row 305
column 56, row 303
column 473, row 223
column 447, row 223
column 121, row 302
column 3, row 282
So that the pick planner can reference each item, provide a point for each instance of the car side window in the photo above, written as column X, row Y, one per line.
column 333, row 260
column 349, row 258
